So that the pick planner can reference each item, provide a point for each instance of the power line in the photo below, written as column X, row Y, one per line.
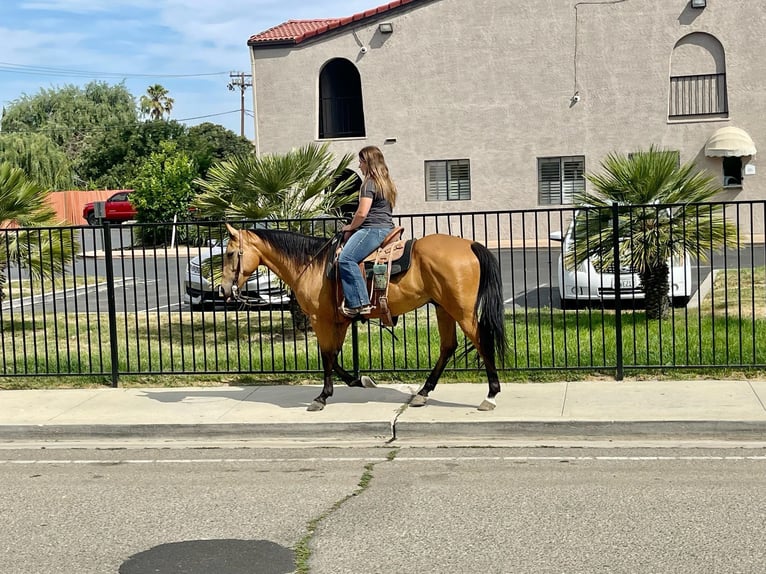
column 9, row 67
column 54, row 129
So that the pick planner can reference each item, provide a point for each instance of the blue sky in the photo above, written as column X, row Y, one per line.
column 188, row 46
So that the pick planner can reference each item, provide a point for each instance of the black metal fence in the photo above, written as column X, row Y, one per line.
column 124, row 308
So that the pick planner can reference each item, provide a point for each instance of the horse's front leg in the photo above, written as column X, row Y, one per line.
column 329, row 359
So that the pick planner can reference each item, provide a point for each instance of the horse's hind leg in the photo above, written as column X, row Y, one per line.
column 364, row 381
column 489, row 403
column 447, row 346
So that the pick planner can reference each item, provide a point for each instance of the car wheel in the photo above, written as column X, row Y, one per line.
column 92, row 220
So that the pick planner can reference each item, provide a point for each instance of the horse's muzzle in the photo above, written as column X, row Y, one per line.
column 234, row 293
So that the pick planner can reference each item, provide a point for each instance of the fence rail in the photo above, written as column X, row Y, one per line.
column 119, row 309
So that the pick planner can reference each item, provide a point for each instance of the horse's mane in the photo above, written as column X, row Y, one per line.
column 303, row 249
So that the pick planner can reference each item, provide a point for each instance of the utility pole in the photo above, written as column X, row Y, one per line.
column 242, row 81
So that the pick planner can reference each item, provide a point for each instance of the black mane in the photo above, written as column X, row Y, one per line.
column 304, row 249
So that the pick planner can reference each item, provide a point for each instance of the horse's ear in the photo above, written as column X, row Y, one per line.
column 233, row 233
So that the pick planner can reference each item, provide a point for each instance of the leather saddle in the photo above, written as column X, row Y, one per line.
column 395, row 254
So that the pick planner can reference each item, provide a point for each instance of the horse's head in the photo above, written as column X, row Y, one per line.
column 240, row 260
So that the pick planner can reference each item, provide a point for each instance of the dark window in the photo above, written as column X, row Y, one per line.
column 448, row 180
column 341, row 113
column 559, row 179
column 732, row 171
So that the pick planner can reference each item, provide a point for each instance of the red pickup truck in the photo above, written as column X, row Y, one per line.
column 118, row 209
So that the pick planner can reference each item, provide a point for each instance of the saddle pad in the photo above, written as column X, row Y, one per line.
column 401, row 252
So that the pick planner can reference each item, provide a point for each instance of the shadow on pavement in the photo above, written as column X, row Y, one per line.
column 213, row 556
column 297, row 396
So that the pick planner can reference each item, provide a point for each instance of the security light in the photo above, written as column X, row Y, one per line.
column 699, row 3
column 388, row 27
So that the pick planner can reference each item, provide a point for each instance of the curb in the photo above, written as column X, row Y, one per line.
column 239, row 431
column 605, row 430
column 591, row 430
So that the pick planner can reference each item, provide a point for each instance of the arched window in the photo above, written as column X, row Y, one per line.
column 341, row 113
column 698, row 78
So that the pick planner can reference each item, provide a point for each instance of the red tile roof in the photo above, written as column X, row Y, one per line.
column 296, row 31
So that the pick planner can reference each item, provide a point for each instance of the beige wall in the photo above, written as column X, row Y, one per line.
column 491, row 81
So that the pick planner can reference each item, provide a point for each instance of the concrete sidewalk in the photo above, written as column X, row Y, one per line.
column 720, row 410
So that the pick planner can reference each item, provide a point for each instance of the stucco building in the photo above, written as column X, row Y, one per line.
column 503, row 104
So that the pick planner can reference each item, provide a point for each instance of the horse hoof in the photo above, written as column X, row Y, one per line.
column 487, row 405
column 368, row 383
column 315, row 406
column 418, row 401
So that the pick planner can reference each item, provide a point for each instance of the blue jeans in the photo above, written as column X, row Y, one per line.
column 363, row 242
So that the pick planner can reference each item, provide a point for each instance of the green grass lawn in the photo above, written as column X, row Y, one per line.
column 726, row 336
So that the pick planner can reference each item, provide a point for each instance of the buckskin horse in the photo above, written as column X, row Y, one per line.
column 460, row 277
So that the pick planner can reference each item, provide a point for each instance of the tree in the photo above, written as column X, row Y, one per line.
column 70, row 115
column 156, row 103
column 663, row 212
column 71, row 118
column 42, row 252
column 162, row 191
column 114, row 156
column 208, row 143
column 302, row 184
column 37, row 156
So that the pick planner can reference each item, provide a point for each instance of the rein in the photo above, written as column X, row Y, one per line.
column 313, row 257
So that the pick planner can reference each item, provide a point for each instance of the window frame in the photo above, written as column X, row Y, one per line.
column 562, row 180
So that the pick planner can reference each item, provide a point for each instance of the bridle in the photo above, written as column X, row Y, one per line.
column 235, row 280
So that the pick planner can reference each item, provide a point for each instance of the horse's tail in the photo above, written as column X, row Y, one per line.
column 489, row 307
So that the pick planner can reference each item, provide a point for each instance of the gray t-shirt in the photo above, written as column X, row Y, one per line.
column 380, row 210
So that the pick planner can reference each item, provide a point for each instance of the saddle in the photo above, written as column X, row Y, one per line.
column 391, row 259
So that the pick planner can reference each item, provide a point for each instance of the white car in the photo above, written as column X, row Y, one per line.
column 590, row 281
column 263, row 288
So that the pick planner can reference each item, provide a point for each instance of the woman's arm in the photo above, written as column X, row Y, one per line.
column 361, row 214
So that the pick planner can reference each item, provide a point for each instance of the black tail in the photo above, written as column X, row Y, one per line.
column 489, row 306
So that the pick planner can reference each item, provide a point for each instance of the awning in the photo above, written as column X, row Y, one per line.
column 729, row 142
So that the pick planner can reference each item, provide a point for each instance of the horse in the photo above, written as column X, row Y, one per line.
column 459, row 276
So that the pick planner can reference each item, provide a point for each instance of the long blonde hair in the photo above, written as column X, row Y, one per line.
column 377, row 170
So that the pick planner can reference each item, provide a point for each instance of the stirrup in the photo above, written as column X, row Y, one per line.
column 356, row 311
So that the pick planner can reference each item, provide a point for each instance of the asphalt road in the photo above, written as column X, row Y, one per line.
column 361, row 510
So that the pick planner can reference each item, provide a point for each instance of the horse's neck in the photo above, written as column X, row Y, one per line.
column 304, row 280
column 284, row 268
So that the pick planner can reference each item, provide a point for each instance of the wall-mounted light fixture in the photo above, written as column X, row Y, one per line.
column 385, row 27
column 699, row 3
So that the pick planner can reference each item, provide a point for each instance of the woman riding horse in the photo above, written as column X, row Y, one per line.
column 461, row 278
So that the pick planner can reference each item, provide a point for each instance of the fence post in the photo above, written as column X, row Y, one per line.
column 108, row 261
column 620, row 367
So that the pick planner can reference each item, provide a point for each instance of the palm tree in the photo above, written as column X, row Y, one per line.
column 298, row 187
column 156, row 102
column 304, row 183
column 664, row 212
column 43, row 252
